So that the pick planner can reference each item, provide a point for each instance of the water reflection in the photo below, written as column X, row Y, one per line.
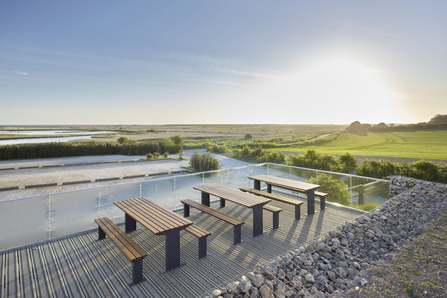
column 41, row 140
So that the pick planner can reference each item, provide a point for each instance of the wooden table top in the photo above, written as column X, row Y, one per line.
column 153, row 216
column 286, row 183
column 233, row 195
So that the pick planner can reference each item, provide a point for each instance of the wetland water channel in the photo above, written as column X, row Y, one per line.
column 85, row 135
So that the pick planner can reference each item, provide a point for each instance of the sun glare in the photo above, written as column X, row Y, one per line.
column 342, row 90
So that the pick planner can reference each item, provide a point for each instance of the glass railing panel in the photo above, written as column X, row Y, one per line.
column 184, row 188
column 160, row 191
column 238, row 177
column 337, row 186
column 257, row 170
column 114, row 193
column 217, row 177
column 301, row 174
column 23, row 221
column 73, row 211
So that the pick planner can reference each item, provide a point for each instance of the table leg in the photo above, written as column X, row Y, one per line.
column 205, row 199
column 131, row 224
column 269, row 188
column 222, row 203
column 310, row 202
column 257, row 221
column 257, row 184
column 172, row 249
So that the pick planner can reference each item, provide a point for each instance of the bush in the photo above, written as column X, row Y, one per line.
column 248, row 136
column 156, row 155
column 149, row 155
column 180, row 155
column 337, row 191
column 166, row 154
column 205, row 162
column 178, row 140
column 245, row 151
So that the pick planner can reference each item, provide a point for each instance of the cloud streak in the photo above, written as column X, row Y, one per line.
column 22, row 73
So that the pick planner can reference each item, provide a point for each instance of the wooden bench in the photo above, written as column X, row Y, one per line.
column 322, row 196
column 201, row 234
column 275, row 211
column 131, row 250
column 277, row 197
column 220, row 215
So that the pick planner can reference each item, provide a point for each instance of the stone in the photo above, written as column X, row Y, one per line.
column 266, row 292
column 256, row 279
column 245, row 284
column 215, row 293
column 309, row 278
column 233, row 287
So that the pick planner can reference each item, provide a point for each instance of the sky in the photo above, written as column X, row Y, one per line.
column 245, row 61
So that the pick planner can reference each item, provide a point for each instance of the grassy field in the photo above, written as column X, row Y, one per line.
column 428, row 144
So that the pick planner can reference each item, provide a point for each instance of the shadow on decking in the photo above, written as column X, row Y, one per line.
column 79, row 266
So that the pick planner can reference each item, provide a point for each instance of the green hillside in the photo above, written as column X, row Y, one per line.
column 423, row 144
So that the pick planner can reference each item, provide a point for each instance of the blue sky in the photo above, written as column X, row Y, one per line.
column 153, row 62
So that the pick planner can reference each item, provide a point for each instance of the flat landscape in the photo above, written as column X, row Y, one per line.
column 423, row 144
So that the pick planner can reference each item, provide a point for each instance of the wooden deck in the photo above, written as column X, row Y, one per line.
column 79, row 266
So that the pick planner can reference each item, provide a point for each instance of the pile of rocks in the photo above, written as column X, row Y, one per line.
column 327, row 266
column 400, row 184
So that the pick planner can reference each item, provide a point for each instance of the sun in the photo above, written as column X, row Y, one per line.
column 339, row 90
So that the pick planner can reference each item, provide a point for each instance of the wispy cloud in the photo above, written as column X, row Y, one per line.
column 21, row 73
column 253, row 74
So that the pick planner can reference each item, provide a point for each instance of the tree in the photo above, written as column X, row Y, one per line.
column 438, row 119
column 337, row 191
column 205, row 162
column 123, row 140
column 248, row 136
column 178, row 140
column 347, row 162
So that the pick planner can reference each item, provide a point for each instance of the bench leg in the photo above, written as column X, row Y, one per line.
column 222, row 203
column 101, row 234
column 310, row 202
column 258, row 223
column 137, row 272
column 275, row 220
column 322, row 203
column 297, row 212
column 172, row 250
column 205, row 199
column 269, row 188
column 185, row 210
column 237, row 234
column 202, row 248
column 131, row 224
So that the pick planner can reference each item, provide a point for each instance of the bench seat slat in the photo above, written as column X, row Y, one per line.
column 197, row 231
column 129, row 248
column 320, row 194
column 274, row 196
column 213, row 212
column 271, row 208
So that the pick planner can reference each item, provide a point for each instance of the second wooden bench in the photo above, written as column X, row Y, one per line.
column 131, row 250
column 220, row 215
column 278, row 197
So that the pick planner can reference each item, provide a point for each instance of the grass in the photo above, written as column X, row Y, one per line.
column 424, row 144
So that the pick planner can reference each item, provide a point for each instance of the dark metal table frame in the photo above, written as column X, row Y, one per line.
column 258, row 220
column 310, row 192
column 172, row 244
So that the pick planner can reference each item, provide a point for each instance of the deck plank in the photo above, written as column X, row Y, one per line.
column 93, row 268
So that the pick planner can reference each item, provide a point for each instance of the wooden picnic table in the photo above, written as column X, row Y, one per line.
column 228, row 194
column 159, row 221
column 294, row 185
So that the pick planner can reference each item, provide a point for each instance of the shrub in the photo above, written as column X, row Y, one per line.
column 245, row 151
column 166, row 154
column 248, row 136
column 122, row 140
column 156, row 155
column 337, row 191
column 178, row 140
column 347, row 162
column 149, row 155
column 205, row 162
column 180, row 155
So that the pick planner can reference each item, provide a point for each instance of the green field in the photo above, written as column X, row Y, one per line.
column 428, row 144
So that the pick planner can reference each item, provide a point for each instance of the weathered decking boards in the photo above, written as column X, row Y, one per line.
column 79, row 266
